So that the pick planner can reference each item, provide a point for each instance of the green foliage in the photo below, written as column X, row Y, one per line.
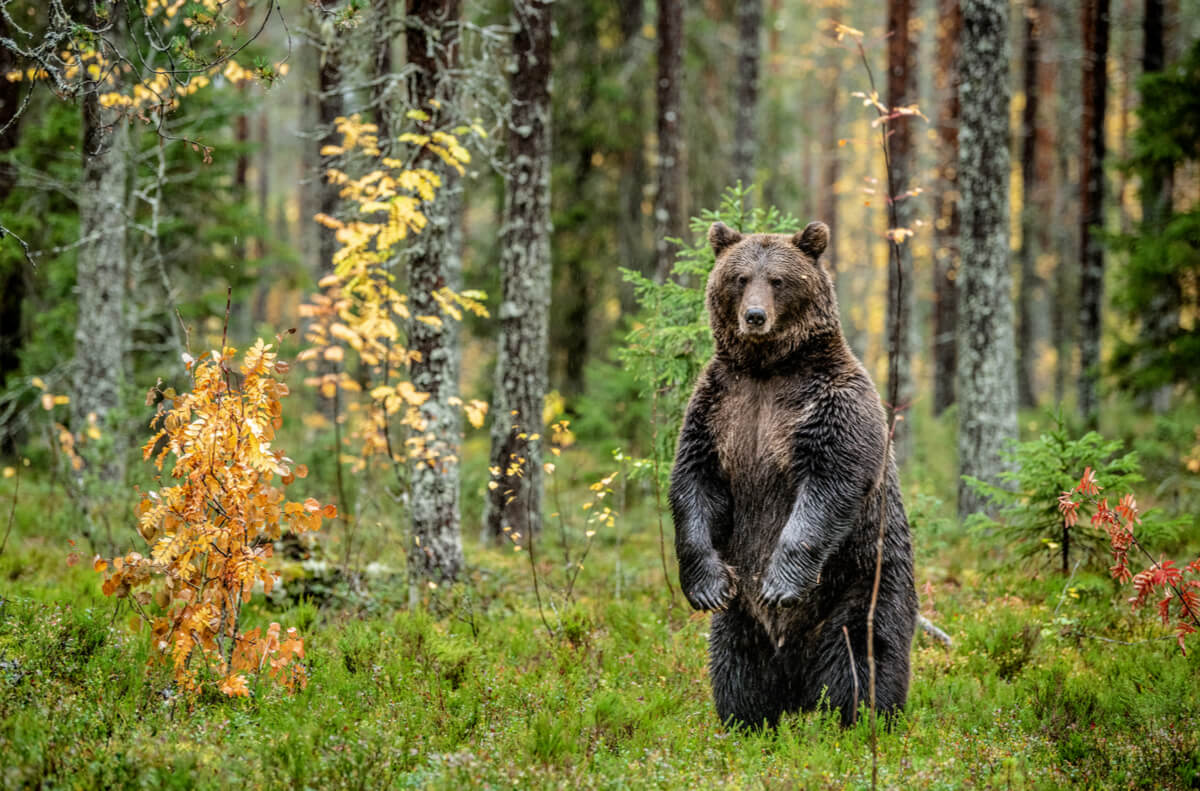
column 1041, row 470
column 670, row 342
column 1157, row 286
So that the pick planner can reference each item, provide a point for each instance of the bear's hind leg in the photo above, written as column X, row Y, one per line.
column 845, row 683
column 743, row 670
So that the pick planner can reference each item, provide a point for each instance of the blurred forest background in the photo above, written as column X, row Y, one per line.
column 485, row 221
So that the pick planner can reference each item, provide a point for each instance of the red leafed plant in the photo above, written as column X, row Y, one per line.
column 1179, row 588
column 210, row 534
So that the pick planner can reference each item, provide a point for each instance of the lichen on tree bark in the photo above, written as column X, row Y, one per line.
column 101, row 271
column 515, row 501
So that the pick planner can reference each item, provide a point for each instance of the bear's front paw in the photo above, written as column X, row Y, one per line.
column 790, row 578
column 707, row 583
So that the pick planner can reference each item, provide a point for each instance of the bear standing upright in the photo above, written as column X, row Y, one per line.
column 776, row 493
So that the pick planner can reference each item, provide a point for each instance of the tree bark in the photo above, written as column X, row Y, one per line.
column 668, row 209
column 432, row 40
column 12, row 280
column 1030, row 283
column 827, row 203
column 902, row 91
column 329, row 107
column 987, row 399
column 749, row 57
column 1162, row 317
column 632, row 231
column 946, row 221
column 515, row 503
column 1091, row 201
column 100, row 334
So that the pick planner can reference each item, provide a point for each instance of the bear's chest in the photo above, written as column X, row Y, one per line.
column 755, row 427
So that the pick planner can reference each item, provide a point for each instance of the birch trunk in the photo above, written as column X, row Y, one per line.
column 515, row 503
column 987, row 399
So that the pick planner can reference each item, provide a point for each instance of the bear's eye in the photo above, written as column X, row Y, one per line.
column 776, row 282
column 743, row 280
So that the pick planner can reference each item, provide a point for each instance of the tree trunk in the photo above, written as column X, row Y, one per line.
column 100, row 334
column 432, row 259
column 1064, row 328
column 634, row 250
column 12, row 280
column 668, row 209
column 1047, row 184
column 827, row 202
column 515, row 503
column 1162, row 317
column 329, row 107
column 902, row 91
column 945, row 227
column 1030, row 284
column 382, row 96
column 987, row 398
column 1091, row 202
column 749, row 55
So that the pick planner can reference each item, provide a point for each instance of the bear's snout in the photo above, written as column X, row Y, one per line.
column 756, row 317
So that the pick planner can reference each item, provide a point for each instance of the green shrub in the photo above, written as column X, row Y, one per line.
column 1027, row 514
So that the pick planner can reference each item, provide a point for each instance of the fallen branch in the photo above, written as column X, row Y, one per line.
column 928, row 628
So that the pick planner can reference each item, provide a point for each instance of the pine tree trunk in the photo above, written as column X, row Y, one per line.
column 668, row 209
column 100, row 334
column 902, row 91
column 515, row 503
column 1030, row 284
column 945, row 227
column 1091, row 201
column 432, row 264
column 986, row 387
column 745, row 132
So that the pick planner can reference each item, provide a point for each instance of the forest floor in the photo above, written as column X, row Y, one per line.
column 1051, row 682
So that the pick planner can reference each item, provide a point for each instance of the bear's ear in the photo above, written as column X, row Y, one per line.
column 813, row 240
column 721, row 237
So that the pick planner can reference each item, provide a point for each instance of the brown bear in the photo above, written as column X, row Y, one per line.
column 776, row 493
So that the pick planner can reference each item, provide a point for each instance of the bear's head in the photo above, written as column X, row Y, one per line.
column 768, row 295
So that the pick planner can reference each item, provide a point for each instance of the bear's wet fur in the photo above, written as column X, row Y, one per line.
column 776, row 493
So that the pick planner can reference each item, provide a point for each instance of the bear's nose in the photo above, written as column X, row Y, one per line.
column 756, row 317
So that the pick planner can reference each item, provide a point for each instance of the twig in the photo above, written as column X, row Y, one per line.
column 12, row 513
column 537, row 591
column 1066, row 586
column 853, row 670
column 1155, row 564
column 658, row 506
column 893, row 398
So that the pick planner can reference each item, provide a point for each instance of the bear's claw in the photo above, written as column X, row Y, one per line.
column 712, row 588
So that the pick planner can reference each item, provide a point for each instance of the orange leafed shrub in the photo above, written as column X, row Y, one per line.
column 210, row 534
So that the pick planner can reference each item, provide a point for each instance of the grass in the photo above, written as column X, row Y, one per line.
column 471, row 690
